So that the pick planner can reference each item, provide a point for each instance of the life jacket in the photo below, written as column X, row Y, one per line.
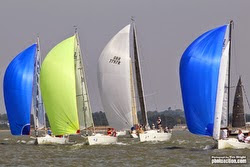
column 109, row 132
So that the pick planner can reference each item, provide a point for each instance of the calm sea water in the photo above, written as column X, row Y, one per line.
column 184, row 149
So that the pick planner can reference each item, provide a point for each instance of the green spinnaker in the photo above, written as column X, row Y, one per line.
column 58, row 87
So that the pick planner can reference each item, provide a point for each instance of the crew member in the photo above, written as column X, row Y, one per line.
column 247, row 139
column 153, row 126
column 224, row 133
column 109, row 132
column 49, row 131
column 159, row 122
column 241, row 136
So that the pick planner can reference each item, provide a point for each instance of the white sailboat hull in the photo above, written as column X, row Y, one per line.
column 121, row 133
column 100, row 139
column 233, row 144
column 52, row 140
column 134, row 135
column 153, row 135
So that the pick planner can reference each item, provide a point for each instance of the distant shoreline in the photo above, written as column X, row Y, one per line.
column 4, row 130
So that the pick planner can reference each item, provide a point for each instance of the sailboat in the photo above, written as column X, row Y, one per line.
column 205, row 84
column 116, row 84
column 238, row 119
column 22, row 95
column 65, row 93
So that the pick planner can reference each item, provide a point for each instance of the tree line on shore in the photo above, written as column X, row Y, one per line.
column 169, row 117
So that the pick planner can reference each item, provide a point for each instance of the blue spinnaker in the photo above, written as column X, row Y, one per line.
column 199, row 72
column 18, row 84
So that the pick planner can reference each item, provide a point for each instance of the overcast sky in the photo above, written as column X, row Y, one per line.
column 165, row 28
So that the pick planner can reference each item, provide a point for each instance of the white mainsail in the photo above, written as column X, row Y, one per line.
column 115, row 80
column 224, row 116
column 83, row 104
column 221, row 111
column 38, row 108
column 134, row 110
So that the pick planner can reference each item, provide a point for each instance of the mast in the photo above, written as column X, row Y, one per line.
column 229, row 68
column 139, row 76
column 83, row 80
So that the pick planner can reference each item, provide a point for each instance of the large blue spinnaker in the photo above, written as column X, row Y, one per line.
column 199, row 75
column 18, row 85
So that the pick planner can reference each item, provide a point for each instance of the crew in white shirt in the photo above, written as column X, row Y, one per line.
column 241, row 136
column 247, row 139
column 224, row 134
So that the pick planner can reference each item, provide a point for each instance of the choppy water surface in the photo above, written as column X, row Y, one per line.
column 184, row 149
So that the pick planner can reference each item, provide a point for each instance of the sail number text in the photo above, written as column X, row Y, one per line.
column 115, row 60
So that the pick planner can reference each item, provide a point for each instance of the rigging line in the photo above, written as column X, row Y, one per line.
column 151, row 94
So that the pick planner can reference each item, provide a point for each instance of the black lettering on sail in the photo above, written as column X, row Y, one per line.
column 115, row 60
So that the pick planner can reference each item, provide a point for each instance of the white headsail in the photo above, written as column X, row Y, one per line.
column 38, row 109
column 221, row 111
column 115, row 80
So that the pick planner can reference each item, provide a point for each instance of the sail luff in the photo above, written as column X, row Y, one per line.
column 139, row 78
